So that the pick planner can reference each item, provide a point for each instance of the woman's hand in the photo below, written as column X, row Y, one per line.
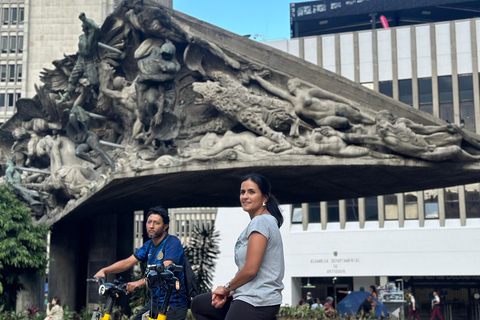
column 219, row 296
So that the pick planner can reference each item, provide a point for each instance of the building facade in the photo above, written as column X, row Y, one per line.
column 33, row 34
column 423, row 240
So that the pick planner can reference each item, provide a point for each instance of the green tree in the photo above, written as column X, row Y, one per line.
column 202, row 251
column 23, row 246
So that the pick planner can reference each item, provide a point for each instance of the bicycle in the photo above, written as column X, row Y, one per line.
column 109, row 291
column 159, row 276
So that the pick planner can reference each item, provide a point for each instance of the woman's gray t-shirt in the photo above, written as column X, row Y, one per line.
column 266, row 288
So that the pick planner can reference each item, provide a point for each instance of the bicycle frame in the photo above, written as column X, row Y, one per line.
column 110, row 291
column 166, row 280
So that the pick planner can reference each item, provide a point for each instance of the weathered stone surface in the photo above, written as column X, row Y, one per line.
column 182, row 109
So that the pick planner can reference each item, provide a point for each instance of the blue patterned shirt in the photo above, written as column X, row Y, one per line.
column 154, row 255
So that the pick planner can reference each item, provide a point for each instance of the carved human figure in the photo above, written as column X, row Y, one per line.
column 85, row 65
column 323, row 107
column 124, row 105
column 67, row 171
column 405, row 137
column 327, row 141
column 78, row 131
column 155, row 87
column 212, row 144
column 14, row 178
column 20, row 146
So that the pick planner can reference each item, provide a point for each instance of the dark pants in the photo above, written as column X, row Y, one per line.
column 173, row 313
column 436, row 312
column 412, row 312
column 202, row 309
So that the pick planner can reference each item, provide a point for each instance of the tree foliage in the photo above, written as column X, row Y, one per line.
column 23, row 246
column 202, row 251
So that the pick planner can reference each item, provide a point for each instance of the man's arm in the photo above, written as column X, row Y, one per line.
column 117, row 267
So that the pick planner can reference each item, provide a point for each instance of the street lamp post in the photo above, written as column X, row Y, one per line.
column 334, row 280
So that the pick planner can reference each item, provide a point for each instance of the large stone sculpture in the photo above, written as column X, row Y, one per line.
column 148, row 92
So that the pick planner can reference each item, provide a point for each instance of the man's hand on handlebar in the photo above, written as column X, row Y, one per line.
column 99, row 274
column 131, row 286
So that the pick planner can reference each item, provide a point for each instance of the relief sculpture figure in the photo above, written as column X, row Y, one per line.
column 156, row 93
column 85, row 65
column 405, row 137
column 323, row 107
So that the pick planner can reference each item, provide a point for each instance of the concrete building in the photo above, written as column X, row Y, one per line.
column 33, row 34
column 423, row 240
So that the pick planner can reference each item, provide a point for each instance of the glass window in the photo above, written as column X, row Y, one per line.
column 13, row 43
column 19, row 73
column 3, row 73
column 445, row 95
column 4, row 44
column 431, row 204
column 452, row 210
column 11, row 73
column 391, row 207
column 14, row 15
column 411, row 205
column 18, row 96
column 405, row 91
column 371, row 209
column 467, row 110
column 21, row 15
column 333, row 211
column 386, row 88
column 20, row 44
column 2, row 100
column 10, row 100
column 425, row 95
column 297, row 213
column 314, row 212
column 472, row 200
column 5, row 15
column 352, row 209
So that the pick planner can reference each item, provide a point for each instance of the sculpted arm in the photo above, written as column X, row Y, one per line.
column 324, row 94
column 273, row 88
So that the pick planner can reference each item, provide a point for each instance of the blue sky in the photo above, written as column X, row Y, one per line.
column 268, row 18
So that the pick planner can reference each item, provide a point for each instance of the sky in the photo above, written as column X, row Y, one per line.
column 268, row 19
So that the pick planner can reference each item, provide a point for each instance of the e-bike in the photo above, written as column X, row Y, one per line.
column 111, row 292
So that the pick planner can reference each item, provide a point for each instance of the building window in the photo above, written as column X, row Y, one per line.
column 5, row 15
column 472, row 200
column 2, row 100
column 11, row 73
column 371, row 209
column 405, row 91
column 467, row 110
column 3, row 73
column 452, row 210
column 386, row 88
column 13, row 44
column 314, row 212
column 19, row 73
column 411, row 205
column 20, row 44
column 21, row 15
column 425, row 95
column 333, row 212
column 297, row 213
column 18, row 96
column 391, row 207
column 431, row 204
column 352, row 209
column 445, row 96
column 14, row 15
column 4, row 44
column 11, row 98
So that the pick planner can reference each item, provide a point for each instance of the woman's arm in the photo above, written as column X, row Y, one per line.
column 257, row 244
